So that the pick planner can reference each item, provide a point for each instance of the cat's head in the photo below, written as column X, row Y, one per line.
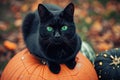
column 56, row 25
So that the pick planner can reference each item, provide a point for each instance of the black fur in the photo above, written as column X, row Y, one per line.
column 55, row 50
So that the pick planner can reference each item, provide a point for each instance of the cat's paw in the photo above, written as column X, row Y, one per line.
column 55, row 68
column 71, row 64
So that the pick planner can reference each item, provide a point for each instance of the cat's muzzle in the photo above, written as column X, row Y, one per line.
column 57, row 40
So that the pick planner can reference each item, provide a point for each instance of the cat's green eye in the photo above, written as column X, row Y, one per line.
column 64, row 28
column 49, row 28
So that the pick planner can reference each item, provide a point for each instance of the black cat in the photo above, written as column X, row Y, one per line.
column 50, row 34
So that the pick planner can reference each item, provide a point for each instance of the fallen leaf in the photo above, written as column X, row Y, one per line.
column 3, row 26
column 18, row 22
column 10, row 45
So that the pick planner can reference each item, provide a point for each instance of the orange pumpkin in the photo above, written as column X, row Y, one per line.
column 24, row 66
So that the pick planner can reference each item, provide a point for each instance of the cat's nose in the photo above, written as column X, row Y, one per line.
column 57, row 35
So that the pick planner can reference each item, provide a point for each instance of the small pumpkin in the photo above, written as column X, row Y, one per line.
column 107, row 64
column 25, row 66
column 87, row 50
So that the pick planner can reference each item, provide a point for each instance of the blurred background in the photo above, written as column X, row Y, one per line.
column 97, row 22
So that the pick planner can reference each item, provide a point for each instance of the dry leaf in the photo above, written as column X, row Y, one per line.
column 3, row 26
column 10, row 45
column 18, row 22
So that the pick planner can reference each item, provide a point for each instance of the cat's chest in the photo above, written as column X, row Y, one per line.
column 56, row 51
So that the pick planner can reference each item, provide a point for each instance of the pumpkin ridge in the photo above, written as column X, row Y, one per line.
column 38, row 73
column 28, row 70
column 42, row 76
column 34, row 70
column 71, row 73
column 25, row 75
column 67, row 71
column 14, row 70
column 20, row 58
column 102, row 70
column 19, row 77
column 27, row 66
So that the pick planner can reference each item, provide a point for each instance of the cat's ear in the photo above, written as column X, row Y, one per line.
column 68, row 12
column 44, row 13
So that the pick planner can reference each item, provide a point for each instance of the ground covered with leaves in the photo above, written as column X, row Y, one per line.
column 97, row 21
